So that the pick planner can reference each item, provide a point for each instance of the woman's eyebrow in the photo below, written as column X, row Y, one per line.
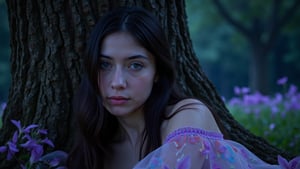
column 105, row 56
column 137, row 57
column 129, row 58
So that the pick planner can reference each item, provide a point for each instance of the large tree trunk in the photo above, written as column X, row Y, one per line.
column 259, row 69
column 47, row 43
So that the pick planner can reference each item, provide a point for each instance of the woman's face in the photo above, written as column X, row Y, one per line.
column 127, row 73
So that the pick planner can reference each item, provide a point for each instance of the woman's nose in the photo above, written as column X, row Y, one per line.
column 118, row 80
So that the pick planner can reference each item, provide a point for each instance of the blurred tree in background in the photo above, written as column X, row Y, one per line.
column 246, row 43
column 4, row 53
column 223, row 51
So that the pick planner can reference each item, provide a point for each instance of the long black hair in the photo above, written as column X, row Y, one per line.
column 97, row 127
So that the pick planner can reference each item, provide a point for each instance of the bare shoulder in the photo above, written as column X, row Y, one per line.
column 189, row 113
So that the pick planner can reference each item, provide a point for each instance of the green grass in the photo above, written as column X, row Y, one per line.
column 281, row 129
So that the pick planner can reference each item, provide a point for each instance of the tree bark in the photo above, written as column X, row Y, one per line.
column 47, row 43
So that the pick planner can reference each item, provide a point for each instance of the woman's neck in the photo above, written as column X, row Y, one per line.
column 132, row 127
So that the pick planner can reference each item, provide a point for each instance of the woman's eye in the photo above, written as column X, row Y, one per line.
column 136, row 66
column 105, row 65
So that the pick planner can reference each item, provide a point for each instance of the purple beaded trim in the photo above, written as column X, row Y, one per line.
column 194, row 131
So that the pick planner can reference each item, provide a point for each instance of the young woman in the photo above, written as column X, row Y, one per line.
column 130, row 113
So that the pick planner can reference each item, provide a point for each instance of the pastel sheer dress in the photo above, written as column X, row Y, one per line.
column 194, row 148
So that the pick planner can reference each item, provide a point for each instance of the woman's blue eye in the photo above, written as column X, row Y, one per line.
column 136, row 66
column 105, row 65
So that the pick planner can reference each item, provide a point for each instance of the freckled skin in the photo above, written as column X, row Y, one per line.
column 127, row 72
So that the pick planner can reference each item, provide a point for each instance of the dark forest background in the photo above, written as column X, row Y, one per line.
column 224, row 50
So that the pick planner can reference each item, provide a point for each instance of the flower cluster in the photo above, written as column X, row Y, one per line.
column 28, row 140
column 274, row 117
column 256, row 102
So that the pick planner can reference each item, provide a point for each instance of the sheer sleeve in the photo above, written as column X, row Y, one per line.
column 193, row 148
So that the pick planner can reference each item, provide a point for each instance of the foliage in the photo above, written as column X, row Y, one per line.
column 275, row 118
column 26, row 148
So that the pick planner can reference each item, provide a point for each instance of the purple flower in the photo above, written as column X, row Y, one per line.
column 292, row 91
column 3, row 149
column 12, row 150
column 43, row 131
column 17, row 124
column 27, row 136
column 237, row 90
column 15, row 137
column 12, row 146
column 234, row 101
column 274, row 110
column 30, row 144
column 28, row 128
column 242, row 90
column 278, row 98
column 292, row 104
column 47, row 141
column 36, row 153
column 249, row 100
column 245, row 90
column 255, row 99
column 30, row 138
column 282, row 80
column 35, row 149
column 21, row 130
column 283, row 162
column 272, row 126
column 293, row 164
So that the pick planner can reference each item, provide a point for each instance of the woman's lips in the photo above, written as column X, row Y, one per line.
column 117, row 100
